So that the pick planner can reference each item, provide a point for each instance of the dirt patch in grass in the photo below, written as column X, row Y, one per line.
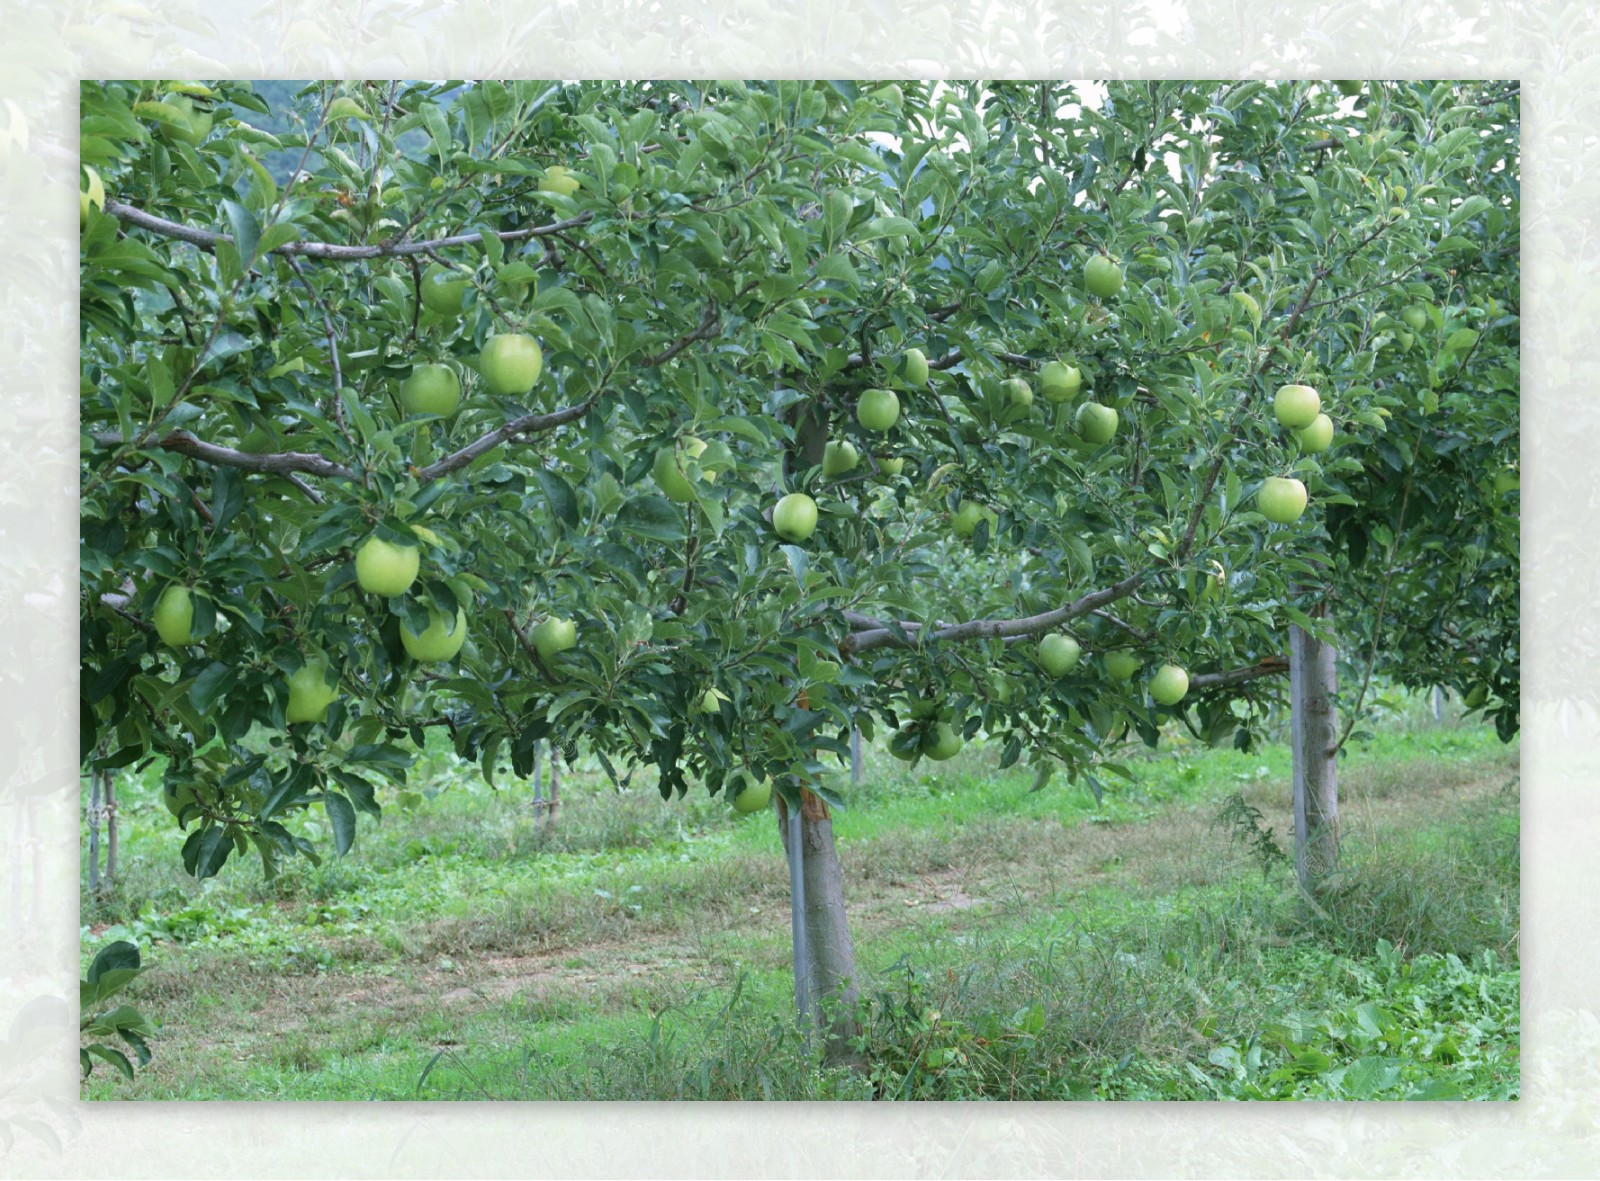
column 557, row 957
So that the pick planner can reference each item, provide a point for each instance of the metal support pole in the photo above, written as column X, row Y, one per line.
column 855, row 755
column 797, row 919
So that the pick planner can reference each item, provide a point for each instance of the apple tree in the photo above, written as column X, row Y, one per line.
column 1422, row 573
column 691, row 424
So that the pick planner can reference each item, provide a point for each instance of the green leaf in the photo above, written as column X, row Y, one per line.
column 654, row 518
column 226, row 344
column 246, row 230
column 115, row 1057
column 173, row 116
column 211, row 684
column 120, row 956
column 211, row 848
column 886, row 227
column 563, row 501
column 343, row 819
column 345, row 107
column 276, row 235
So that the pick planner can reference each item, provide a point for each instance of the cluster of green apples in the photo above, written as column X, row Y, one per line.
column 383, row 568
column 1059, row 654
column 311, row 689
column 937, row 740
column 794, row 516
column 1298, row 408
column 510, row 363
column 389, row 569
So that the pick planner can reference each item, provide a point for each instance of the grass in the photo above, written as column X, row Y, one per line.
column 1011, row 944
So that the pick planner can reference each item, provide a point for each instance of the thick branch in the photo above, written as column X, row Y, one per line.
column 1272, row 666
column 329, row 251
column 528, row 424
column 280, row 463
column 991, row 629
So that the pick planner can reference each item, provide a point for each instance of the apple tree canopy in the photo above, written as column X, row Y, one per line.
column 714, row 274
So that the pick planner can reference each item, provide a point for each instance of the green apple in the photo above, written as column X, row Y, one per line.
column 431, row 389
column 668, row 473
column 914, row 365
column 1122, row 664
column 197, row 120
column 1102, row 277
column 444, row 290
column 174, row 616
column 891, row 467
column 1169, row 684
column 709, row 702
column 891, row 95
column 1318, row 436
column 557, row 179
column 877, row 410
column 964, row 522
column 1018, row 392
column 1095, row 423
column 795, row 517
column 1405, row 340
column 1058, row 654
column 1477, row 697
column 1059, row 382
column 386, row 569
column 838, row 458
column 1507, row 480
column 1349, row 87
column 438, row 641
column 510, row 363
column 310, row 693
column 1416, row 317
column 177, row 797
column 553, row 636
column 942, row 742
column 1296, row 406
column 747, row 793
column 1281, row 500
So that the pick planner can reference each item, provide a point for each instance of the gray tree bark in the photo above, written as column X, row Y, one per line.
column 94, row 832
column 1314, row 738
column 112, row 839
column 830, row 952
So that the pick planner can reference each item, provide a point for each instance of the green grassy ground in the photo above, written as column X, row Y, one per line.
column 1012, row 945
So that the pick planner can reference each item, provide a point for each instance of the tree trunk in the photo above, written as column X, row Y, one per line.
column 829, row 952
column 1313, row 682
column 555, row 786
column 112, row 841
column 94, row 832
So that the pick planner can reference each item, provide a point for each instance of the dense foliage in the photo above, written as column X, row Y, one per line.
column 715, row 274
